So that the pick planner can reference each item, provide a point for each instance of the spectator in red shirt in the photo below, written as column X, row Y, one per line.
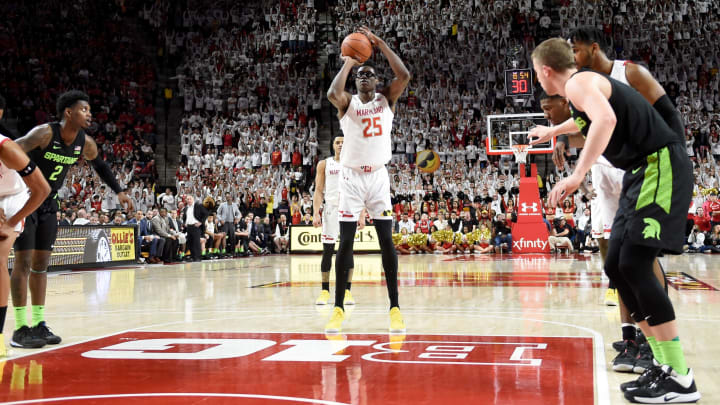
column 296, row 158
column 714, row 208
column 701, row 220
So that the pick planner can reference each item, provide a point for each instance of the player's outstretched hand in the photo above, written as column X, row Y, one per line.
column 558, row 155
column 540, row 134
column 349, row 60
column 317, row 221
column 361, row 223
column 125, row 201
column 563, row 189
column 374, row 39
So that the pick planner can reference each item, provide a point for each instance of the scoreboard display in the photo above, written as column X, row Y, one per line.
column 518, row 82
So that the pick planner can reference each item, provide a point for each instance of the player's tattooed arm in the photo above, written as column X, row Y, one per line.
column 90, row 151
column 38, row 137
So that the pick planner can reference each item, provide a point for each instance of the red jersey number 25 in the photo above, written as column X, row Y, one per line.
column 372, row 127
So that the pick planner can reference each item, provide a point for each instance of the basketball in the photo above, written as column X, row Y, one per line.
column 357, row 46
column 427, row 161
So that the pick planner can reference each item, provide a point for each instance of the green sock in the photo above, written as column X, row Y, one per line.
column 20, row 317
column 655, row 347
column 673, row 355
column 38, row 314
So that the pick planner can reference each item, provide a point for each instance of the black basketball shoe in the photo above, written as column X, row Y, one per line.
column 650, row 374
column 619, row 346
column 644, row 359
column 26, row 339
column 668, row 388
column 43, row 332
column 625, row 361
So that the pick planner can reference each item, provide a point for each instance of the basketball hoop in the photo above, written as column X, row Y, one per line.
column 520, row 151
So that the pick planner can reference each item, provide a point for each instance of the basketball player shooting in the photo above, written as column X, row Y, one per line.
column 54, row 147
column 620, row 124
column 366, row 121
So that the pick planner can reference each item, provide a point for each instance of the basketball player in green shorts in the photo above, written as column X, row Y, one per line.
column 621, row 125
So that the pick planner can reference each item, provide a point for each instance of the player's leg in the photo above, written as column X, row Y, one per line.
column 325, row 263
column 29, row 341
column 380, row 209
column 349, row 208
column 349, row 299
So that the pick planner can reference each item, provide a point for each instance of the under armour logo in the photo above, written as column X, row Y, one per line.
column 652, row 230
column 533, row 207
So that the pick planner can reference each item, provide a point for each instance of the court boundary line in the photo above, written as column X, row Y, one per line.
column 178, row 394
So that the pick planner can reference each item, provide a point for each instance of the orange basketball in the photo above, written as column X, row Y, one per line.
column 358, row 46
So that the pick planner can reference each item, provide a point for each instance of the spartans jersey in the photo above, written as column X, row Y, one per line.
column 366, row 128
column 332, row 174
column 10, row 181
column 617, row 73
column 56, row 159
column 639, row 132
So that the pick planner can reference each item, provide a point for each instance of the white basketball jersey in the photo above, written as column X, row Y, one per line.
column 366, row 128
column 332, row 176
column 617, row 73
column 10, row 181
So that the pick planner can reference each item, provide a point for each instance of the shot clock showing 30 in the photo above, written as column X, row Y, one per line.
column 518, row 82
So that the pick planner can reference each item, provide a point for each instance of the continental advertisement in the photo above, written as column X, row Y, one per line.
column 86, row 246
column 307, row 239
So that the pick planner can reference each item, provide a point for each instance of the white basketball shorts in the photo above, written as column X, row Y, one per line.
column 370, row 190
column 330, row 224
column 607, row 182
column 11, row 204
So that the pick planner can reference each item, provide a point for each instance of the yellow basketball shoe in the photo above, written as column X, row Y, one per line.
column 334, row 325
column 323, row 298
column 349, row 300
column 611, row 297
column 397, row 325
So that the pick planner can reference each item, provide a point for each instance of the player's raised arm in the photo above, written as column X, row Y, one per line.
column 336, row 93
column 402, row 75
column 542, row 133
column 38, row 137
column 319, row 192
column 90, row 153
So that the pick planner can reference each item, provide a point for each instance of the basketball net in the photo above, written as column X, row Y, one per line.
column 520, row 151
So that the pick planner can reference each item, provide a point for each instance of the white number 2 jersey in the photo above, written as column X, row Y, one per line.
column 366, row 128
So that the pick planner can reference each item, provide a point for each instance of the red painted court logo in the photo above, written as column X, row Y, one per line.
column 261, row 368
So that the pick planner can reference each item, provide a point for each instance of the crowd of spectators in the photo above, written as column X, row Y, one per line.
column 457, row 51
column 45, row 51
column 252, row 88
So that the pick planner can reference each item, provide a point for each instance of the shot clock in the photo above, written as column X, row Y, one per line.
column 518, row 82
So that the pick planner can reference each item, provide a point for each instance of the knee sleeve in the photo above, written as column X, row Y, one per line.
column 617, row 281
column 328, row 250
column 636, row 267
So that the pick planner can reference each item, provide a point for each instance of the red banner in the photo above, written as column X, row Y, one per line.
column 530, row 234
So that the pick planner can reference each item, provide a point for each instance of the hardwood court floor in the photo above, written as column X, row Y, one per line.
column 485, row 329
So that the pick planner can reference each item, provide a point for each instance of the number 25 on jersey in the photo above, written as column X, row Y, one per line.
column 372, row 127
